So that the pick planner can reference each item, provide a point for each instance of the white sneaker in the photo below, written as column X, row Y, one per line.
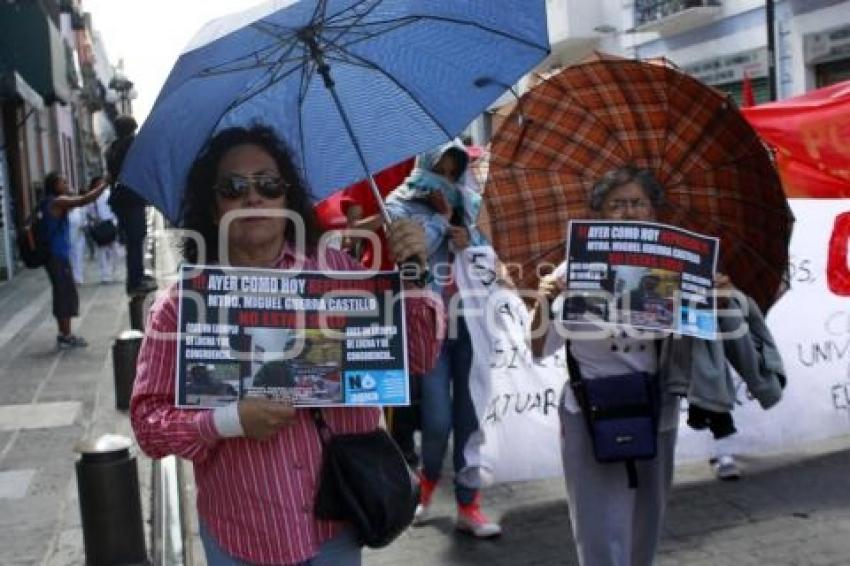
column 471, row 520
column 726, row 469
column 422, row 514
column 426, row 494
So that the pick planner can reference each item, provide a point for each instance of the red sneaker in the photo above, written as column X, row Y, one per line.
column 426, row 493
column 472, row 520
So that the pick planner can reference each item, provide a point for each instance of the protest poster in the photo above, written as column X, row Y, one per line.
column 312, row 338
column 642, row 274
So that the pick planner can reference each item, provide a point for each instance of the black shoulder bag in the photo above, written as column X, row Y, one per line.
column 103, row 232
column 621, row 413
column 365, row 481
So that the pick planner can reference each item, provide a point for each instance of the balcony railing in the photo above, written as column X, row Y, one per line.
column 650, row 11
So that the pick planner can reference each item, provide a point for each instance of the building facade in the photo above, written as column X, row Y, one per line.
column 51, row 99
column 721, row 42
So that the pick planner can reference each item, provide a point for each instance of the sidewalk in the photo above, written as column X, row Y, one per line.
column 49, row 400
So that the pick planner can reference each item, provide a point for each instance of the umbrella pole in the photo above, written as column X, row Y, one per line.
column 324, row 69
column 362, row 158
column 411, row 268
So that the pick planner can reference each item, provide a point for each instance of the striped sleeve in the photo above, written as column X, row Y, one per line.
column 426, row 328
column 161, row 429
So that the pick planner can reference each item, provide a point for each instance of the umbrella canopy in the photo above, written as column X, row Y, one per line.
column 575, row 126
column 348, row 84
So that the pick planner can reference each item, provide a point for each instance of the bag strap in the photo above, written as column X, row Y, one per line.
column 572, row 365
column 96, row 208
column 631, row 473
column 581, row 399
column 325, row 433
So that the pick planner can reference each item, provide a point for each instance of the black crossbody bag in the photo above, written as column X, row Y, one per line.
column 621, row 413
column 365, row 481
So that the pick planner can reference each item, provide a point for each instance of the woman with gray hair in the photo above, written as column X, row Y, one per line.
column 615, row 522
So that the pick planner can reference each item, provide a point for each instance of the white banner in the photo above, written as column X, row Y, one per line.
column 811, row 325
column 516, row 399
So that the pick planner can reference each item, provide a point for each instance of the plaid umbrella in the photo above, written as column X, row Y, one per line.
column 573, row 127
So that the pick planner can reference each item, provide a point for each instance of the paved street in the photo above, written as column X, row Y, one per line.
column 784, row 512
column 793, row 510
column 787, row 511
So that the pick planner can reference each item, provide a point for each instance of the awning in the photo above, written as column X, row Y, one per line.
column 13, row 86
column 33, row 47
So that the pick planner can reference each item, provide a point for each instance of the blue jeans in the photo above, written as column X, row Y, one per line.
column 446, row 407
column 342, row 550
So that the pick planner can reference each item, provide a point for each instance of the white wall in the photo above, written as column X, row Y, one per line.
column 729, row 9
column 803, row 75
column 795, row 76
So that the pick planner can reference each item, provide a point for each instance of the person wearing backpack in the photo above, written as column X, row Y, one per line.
column 56, row 232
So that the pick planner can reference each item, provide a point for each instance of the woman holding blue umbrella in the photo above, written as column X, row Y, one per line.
column 351, row 87
column 256, row 462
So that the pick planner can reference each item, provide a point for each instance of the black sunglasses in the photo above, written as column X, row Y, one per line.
column 236, row 186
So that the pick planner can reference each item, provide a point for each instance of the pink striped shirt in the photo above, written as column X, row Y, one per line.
column 255, row 498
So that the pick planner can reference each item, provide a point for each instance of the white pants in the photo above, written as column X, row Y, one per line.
column 614, row 525
column 106, row 257
column 78, row 256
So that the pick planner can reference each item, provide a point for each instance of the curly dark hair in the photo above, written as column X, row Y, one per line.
column 198, row 208
column 51, row 181
column 622, row 176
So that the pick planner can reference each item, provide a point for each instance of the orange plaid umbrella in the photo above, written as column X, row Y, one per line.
column 570, row 129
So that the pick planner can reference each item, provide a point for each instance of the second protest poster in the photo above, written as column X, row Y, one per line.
column 646, row 275
column 309, row 338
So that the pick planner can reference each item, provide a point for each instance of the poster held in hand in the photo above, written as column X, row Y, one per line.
column 315, row 339
column 646, row 275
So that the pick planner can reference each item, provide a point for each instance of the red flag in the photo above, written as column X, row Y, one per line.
column 747, row 97
column 331, row 211
column 810, row 134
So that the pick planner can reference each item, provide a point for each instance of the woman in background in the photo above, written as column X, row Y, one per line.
column 58, row 203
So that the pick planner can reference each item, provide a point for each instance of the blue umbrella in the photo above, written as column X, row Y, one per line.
column 352, row 86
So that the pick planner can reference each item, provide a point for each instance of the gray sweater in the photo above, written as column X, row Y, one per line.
column 698, row 368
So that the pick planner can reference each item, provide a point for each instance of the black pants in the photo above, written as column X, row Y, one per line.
column 131, row 221
column 66, row 302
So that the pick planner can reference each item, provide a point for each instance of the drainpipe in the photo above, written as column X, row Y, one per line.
column 771, row 47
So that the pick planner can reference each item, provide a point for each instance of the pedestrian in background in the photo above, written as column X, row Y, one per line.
column 100, row 211
column 77, row 226
column 129, row 208
column 432, row 196
column 57, row 204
